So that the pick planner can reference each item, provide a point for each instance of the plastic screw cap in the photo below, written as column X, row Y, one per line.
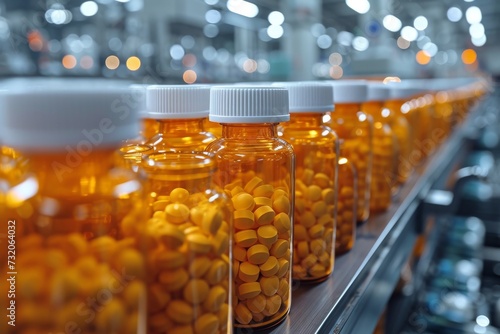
column 52, row 119
column 378, row 92
column 178, row 101
column 308, row 96
column 349, row 91
column 400, row 91
column 252, row 104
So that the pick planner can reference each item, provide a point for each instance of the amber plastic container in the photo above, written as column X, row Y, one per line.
column 188, row 232
column 355, row 131
column 316, row 169
column 428, row 137
column 443, row 114
column 180, row 111
column 256, row 169
column 213, row 128
column 75, row 265
column 384, row 149
column 346, row 209
column 399, row 124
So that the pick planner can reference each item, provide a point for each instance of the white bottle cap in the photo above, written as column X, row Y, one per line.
column 349, row 91
column 52, row 119
column 308, row 96
column 252, row 104
column 178, row 101
column 138, row 92
column 378, row 92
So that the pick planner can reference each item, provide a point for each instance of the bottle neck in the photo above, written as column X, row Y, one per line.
column 346, row 110
column 172, row 126
column 250, row 131
column 305, row 120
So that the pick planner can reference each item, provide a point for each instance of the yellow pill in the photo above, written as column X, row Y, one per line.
column 273, row 305
column 243, row 201
column 220, row 243
column 300, row 205
column 252, row 184
column 232, row 185
column 269, row 285
column 236, row 190
column 284, row 287
column 158, row 298
column 212, row 220
column 236, row 267
column 317, row 246
column 262, row 201
column 198, row 243
column 177, row 213
column 258, row 317
column 248, row 272
column 347, row 192
column 179, row 195
column 279, row 248
column 258, row 254
column 103, row 247
column 303, row 249
column 243, row 219
column 180, row 312
column 318, row 270
column 328, row 196
column 249, row 290
column 77, row 245
column 307, row 219
column 173, row 280
column 196, row 291
column 196, row 215
column 298, row 272
column 239, row 253
column 328, row 235
column 159, row 322
column 284, row 266
column 86, row 265
column 217, row 272
column 242, row 314
column 313, row 193
column 256, row 304
column 265, row 190
column 281, row 204
column 322, row 180
column 160, row 215
column 111, row 317
column 316, row 231
column 170, row 236
column 206, row 324
column 161, row 205
column 168, row 259
column 270, row 267
column 308, row 176
column 245, row 238
column 264, row 215
column 134, row 294
column 215, row 299
column 267, row 234
column 309, row 261
column 282, row 222
column 325, row 259
column 279, row 193
column 318, row 209
column 325, row 219
column 223, row 315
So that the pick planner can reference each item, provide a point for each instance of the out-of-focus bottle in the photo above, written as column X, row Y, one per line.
column 346, row 208
column 75, row 265
column 256, row 170
column 355, row 131
column 384, row 149
column 188, row 257
column 180, row 111
column 316, row 161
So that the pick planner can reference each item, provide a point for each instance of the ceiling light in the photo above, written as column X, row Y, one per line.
column 454, row 14
column 243, row 8
column 360, row 6
column 420, row 23
column 473, row 15
column 392, row 23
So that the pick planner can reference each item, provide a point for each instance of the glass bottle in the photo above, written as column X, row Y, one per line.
column 180, row 111
column 316, row 168
column 76, row 268
column 346, row 208
column 256, row 169
column 384, row 150
column 355, row 131
column 190, row 223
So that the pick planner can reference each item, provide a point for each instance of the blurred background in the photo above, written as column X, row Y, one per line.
column 210, row 41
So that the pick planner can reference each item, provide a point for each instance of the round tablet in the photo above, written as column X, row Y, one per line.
column 284, row 266
column 180, row 311
column 245, row 238
column 279, row 248
column 242, row 314
column 264, row 215
column 170, row 236
column 265, row 190
column 199, row 266
column 257, row 254
column 212, row 220
column 307, row 219
column 243, row 201
column 216, row 297
column 267, row 234
column 196, row 291
column 328, row 195
column 179, row 195
column 243, row 219
column 322, row 180
column 249, row 290
column 318, row 209
column 282, row 222
column 256, row 304
column 313, row 193
column 281, row 204
column 248, row 272
column 173, row 280
column 316, row 231
column 262, row 201
column 269, row 285
column 270, row 267
column 206, row 324
column 198, row 243
column 252, row 184
column 177, row 213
